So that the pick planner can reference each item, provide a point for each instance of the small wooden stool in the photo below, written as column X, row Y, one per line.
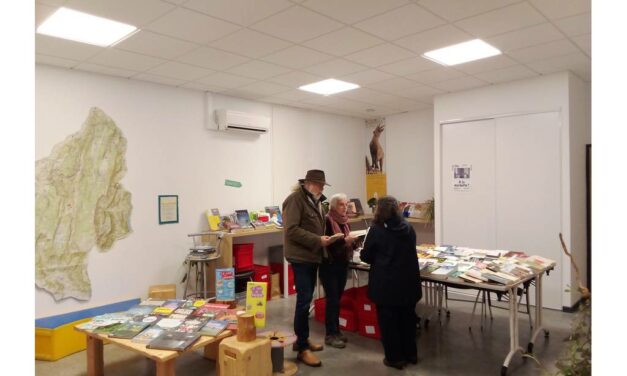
column 244, row 358
column 279, row 340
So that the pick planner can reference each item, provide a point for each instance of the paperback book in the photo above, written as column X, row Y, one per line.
column 192, row 325
column 213, row 327
column 225, row 284
column 147, row 335
column 170, row 340
column 129, row 329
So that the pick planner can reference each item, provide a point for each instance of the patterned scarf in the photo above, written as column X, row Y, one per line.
column 336, row 220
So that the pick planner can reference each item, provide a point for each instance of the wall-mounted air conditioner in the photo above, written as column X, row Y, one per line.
column 229, row 120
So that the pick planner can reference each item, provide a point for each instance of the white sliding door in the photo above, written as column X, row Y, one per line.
column 468, row 217
column 528, row 191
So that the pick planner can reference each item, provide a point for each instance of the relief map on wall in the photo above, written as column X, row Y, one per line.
column 79, row 203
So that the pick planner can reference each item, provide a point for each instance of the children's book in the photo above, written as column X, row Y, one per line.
column 147, row 335
column 168, row 323
column 275, row 214
column 225, row 284
column 129, row 329
column 169, row 340
column 256, row 301
column 192, row 325
column 213, row 328
column 243, row 218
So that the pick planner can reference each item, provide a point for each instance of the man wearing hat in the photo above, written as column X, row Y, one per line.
column 303, row 242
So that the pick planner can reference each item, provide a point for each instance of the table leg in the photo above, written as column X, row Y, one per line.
column 538, row 314
column 166, row 368
column 211, row 350
column 514, row 346
column 95, row 363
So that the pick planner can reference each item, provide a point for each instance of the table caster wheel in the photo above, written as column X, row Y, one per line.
column 503, row 370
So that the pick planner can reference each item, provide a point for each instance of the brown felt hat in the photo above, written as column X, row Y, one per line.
column 315, row 176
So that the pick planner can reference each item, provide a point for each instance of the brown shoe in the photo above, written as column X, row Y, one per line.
column 309, row 358
column 312, row 346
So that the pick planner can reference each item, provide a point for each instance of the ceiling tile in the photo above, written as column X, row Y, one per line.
column 502, row 20
column 408, row 66
column 576, row 25
column 576, row 62
column 343, row 41
column 126, row 60
column 296, row 24
column 561, row 8
column 180, row 71
column 203, row 87
column 226, row 80
column 241, row 12
column 335, row 68
column 512, row 73
column 211, row 58
column 192, row 26
column 105, row 70
column 277, row 100
column 297, row 57
column 54, row 3
column 435, row 75
column 264, row 88
column 64, row 48
column 158, row 79
column 393, row 86
column 56, row 61
column 453, row 10
column 421, row 93
column 484, row 65
column 351, row 11
column 296, row 95
column 435, row 38
column 239, row 93
column 136, row 12
column 530, row 36
column 148, row 43
column 258, row 69
column 366, row 77
column 366, row 95
column 543, row 51
column 458, row 84
column 400, row 22
column 584, row 42
column 379, row 55
column 295, row 79
column 250, row 43
column 42, row 12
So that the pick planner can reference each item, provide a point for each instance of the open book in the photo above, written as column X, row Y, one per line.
column 333, row 238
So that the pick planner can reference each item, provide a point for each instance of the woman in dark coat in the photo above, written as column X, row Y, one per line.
column 394, row 281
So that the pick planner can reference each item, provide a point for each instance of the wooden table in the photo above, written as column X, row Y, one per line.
column 164, row 359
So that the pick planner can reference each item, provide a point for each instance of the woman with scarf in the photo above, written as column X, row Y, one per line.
column 334, row 268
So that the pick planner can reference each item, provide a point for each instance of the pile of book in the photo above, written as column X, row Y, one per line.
column 478, row 265
column 166, row 325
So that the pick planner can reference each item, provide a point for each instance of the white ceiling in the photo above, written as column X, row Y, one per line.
column 265, row 49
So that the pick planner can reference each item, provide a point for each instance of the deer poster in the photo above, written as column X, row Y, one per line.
column 376, row 183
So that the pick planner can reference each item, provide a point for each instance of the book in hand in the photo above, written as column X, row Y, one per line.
column 147, row 335
column 335, row 237
column 170, row 340
column 213, row 327
column 129, row 329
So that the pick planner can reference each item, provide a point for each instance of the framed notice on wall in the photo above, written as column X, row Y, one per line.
column 168, row 209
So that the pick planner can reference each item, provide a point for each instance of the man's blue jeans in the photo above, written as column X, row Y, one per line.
column 305, row 280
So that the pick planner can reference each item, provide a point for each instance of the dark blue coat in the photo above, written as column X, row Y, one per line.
column 390, row 249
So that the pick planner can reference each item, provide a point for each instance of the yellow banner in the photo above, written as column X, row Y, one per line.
column 376, row 186
column 256, row 293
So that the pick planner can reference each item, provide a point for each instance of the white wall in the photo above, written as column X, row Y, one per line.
column 169, row 151
column 541, row 94
column 409, row 155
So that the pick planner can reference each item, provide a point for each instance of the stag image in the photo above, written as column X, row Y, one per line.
column 376, row 150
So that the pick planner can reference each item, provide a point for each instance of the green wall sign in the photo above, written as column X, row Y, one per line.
column 232, row 183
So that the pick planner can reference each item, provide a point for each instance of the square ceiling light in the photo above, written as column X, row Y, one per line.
column 328, row 87
column 82, row 27
column 462, row 53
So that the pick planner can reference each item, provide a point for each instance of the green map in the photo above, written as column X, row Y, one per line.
column 79, row 203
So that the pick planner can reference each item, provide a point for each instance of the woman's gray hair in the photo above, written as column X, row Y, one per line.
column 337, row 198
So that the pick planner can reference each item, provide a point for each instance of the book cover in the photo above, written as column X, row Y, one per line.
column 214, row 221
column 152, row 302
column 178, row 316
column 147, row 335
column 192, row 325
column 168, row 323
column 213, row 328
column 173, row 303
column 359, row 210
column 139, row 310
column 256, row 301
column 225, row 284
column 129, row 329
column 108, row 329
column 243, row 218
column 169, row 340
column 275, row 214
column 184, row 311
column 162, row 311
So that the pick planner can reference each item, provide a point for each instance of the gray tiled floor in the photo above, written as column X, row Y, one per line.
column 446, row 347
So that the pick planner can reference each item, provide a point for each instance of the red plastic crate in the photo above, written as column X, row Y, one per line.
column 319, row 307
column 261, row 273
column 243, row 256
column 368, row 326
column 363, row 305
